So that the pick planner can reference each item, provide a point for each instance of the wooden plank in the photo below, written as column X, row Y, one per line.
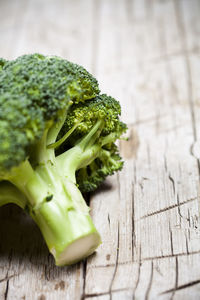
column 158, row 190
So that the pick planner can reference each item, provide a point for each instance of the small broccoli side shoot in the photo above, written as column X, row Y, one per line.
column 88, row 154
column 90, row 177
column 57, row 134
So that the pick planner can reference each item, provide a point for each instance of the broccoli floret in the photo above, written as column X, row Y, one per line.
column 2, row 63
column 90, row 177
column 21, row 125
column 54, row 128
column 49, row 82
column 96, row 126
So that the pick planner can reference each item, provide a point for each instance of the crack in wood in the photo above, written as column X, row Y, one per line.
column 186, row 242
column 178, row 207
column 177, row 196
column 172, row 182
column 84, row 264
column 147, row 259
column 47, row 268
column 133, row 236
column 171, row 239
column 168, row 208
column 189, row 237
column 109, row 219
column 189, row 221
column 169, row 256
column 116, row 264
column 181, row 287
column 7, row 278
column 106, row 293
column 111, row 265
column 165, row 164
column 6, row 291
column 46, row 272
column 195, row 222
column 141, row 187
column 176, row 279
column 150, row 283
column 138, row 274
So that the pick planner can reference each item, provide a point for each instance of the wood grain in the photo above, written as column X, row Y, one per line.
column 146, row 54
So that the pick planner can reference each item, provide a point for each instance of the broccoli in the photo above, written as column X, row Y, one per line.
column 57, row 138
column 101, row 158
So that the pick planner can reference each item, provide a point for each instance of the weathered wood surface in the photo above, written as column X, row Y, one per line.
column 146, row 54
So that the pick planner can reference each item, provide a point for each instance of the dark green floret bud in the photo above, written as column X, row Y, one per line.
column 2, row 63
column 103, row 108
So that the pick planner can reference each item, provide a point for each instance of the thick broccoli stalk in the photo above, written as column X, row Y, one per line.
column 47, row 103
column 58, row 208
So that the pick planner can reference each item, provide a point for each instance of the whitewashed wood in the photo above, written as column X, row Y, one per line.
column 146, row 54
column 159, row 189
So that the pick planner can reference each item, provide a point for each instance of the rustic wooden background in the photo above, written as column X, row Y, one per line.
column 146, row 53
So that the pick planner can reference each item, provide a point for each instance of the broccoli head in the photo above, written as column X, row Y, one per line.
column 34, row 91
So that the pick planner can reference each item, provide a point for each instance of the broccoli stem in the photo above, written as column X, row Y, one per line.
column 66, row 225
column 85, row 151
column 65, row 208
column 82, row 154
column 55, row 129
column 42, row 152
column 53, row 199
column 28, row 181
column 10, row 194
column 67, row 134
column 57, row 206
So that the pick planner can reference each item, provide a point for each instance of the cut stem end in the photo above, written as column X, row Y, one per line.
column 77, row 250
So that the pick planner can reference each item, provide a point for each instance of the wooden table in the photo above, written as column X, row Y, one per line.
column 146, row 54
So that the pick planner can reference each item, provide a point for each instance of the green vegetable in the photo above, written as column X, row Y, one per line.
column 57, row 139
